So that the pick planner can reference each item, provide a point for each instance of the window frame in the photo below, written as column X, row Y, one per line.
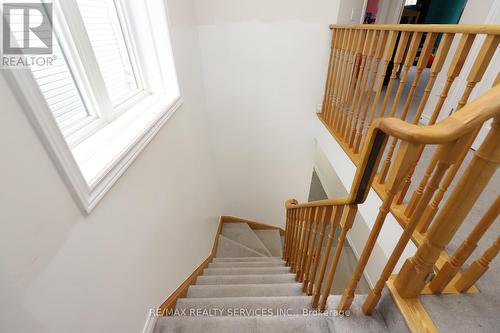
column 134, row 124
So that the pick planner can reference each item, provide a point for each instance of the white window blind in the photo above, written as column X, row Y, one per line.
column 108, row 40
column 60, row 90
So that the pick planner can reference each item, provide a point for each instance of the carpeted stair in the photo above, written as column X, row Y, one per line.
column 249, row 288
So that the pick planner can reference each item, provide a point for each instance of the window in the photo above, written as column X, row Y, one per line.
column 110, row 87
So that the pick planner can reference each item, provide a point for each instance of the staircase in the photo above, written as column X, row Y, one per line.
column 248, row 288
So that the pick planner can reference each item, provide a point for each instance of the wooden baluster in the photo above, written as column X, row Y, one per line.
column 483, row 59
column 456, row 66
column 361, row 84
column 357, row 74
column 405, row 155
column 448, row 154
column 430, row 41
column 410, row 58
column 298, row 214
column 411, row 53
column 311, row 218
column 393, row 36
column 300, row 241
column 337, row 74
column 478, row 268
column 451, row 267
column 298, row 234
column 431, row 210
column 398, row 58
column 326, row 219
column 347, row 41
column 305, row 230
column 413, row 275
column 290, row 243
column 329, row 77
column 454, row 70
column 287, row 229
column 334, row 223
column 347, row 78
column 366, row 63
column 477, row 71
column 359, row 135
column 294, row 234
column 320, row 211
column 346, row 223
column 288, row 236
column 337, row 38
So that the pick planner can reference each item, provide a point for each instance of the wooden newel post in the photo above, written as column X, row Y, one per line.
column 415, row 271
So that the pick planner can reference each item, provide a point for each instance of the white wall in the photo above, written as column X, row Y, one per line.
column 62, row 272
column 264, row 65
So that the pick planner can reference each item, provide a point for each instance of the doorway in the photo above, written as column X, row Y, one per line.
column 413, row 11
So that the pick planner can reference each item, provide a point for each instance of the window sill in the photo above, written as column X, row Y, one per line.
column 105, row 156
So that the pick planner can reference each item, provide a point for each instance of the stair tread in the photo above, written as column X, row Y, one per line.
column 245, row 259
column 245, row 279
column 356, row 322
column 246, row 270
column 246, row 264
column 243, row 234
column 271, row 239
column 262, row 324
column 245, row 290
column 275, row 305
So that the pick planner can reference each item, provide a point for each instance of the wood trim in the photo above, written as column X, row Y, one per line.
column 181, row 291
column 416, row 317
column 169, row 303
column 216, row 240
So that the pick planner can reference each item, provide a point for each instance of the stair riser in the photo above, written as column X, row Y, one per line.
column 245, row 279
column 246, row 271
column 246, row 290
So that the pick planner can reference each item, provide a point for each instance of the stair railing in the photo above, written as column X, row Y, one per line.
column 367, row 79
column 306, row 223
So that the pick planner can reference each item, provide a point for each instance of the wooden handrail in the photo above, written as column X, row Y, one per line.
column 465, row 120
column 488, row 29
